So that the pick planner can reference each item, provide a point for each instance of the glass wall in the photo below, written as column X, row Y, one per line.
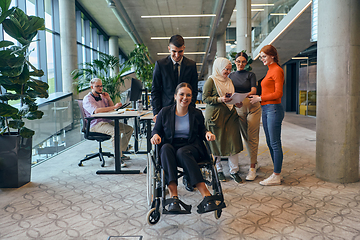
column 59, row 127
column 307, row 87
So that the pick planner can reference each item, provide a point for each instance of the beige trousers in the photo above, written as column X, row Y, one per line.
column 108, row 128
column 249, row 118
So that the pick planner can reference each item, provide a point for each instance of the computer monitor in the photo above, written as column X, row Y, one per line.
column 135, row 90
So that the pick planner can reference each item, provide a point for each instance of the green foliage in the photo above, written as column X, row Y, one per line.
column 139, row 58
column 100, row 68
column 232, row 59
column 15, row 74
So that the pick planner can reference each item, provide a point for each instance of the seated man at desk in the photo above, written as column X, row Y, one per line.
column 98, row 101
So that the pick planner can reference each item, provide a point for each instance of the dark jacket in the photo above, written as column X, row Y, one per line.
column 165, row 127
column 164, row 84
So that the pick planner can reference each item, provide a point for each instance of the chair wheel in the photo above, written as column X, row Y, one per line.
column 80, row 164
column 153, row 216
column 217, row 213
column 102, row 165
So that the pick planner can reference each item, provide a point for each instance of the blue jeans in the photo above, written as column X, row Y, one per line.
column 272, row 116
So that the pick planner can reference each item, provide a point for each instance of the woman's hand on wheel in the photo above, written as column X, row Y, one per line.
column 209, row 136
column 156, row 139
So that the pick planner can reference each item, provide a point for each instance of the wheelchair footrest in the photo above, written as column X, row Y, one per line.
column 185, row 209
column 209, row 204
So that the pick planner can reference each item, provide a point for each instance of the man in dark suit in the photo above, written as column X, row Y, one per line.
column 171, row 71
column 168, row 73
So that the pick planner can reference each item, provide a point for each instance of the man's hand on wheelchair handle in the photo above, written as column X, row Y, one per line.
column 209, row 136
column 156, row 139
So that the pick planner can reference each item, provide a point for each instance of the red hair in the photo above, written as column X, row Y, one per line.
column 271, row 50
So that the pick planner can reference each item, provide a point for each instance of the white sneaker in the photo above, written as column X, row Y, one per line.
column 272, row 180
column 251, row 175
column 123, row 164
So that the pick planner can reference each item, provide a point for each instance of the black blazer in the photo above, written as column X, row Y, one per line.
column 165, row 127
column 164, row 84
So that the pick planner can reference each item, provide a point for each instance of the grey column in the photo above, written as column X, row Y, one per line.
column 221, row 45
column 243, row 25
column 68, row 43
column 338, row 91
column 114, row 51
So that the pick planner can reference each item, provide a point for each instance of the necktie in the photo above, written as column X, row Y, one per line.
column 176, row 72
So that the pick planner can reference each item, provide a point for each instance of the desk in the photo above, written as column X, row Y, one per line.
column 116, row 116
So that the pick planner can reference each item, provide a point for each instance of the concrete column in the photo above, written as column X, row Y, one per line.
column 68, row 44
column 221, row 45
column 114, row 51
column 338, row 91
column 243, row 25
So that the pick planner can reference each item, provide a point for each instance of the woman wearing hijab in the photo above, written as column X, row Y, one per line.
column 221, row 118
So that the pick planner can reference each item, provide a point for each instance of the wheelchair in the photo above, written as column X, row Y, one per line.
column 156, row 194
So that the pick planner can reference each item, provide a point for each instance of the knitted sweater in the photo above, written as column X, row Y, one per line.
column 272, row 85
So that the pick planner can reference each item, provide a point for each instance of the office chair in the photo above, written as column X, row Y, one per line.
column 95, row 136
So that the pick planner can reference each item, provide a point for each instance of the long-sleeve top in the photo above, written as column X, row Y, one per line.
column 272, row 85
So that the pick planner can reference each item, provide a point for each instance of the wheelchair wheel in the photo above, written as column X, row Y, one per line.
column 150, row 182
column 217, row 213
column 153, row 216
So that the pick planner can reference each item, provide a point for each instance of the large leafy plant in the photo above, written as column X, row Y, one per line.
column 17, row 73
column 139, row 58
column 232, row 59
column 100, row 68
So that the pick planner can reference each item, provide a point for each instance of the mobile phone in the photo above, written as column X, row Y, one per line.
column 228, row 95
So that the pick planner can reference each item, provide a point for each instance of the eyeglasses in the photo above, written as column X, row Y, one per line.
column 262, row 57
column 239, row 62
column 98, row 86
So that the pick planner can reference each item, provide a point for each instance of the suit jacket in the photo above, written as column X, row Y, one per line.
column 165, row 127
column 164, row 84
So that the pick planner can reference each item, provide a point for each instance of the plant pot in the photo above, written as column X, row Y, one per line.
column 15, row 160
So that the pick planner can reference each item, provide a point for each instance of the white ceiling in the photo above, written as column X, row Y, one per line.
column 290, row 43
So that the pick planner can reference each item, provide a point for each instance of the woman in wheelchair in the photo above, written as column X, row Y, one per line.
column 180, row 130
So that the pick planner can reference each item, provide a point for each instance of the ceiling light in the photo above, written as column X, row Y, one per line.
column 111, row 4
column 262, row 5
column 199, row 64
column 299, row 58
column 179, row 16
column 278, row 14
column 167, row 38
column 187, row 53
column 257, row 9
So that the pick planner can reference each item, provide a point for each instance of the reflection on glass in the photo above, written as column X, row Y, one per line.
column 50, row 62
column 48, row 14
column 30, row 7
column 307, row 87
column 265, row 18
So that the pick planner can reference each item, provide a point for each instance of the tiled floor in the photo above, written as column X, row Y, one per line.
column 65, row 201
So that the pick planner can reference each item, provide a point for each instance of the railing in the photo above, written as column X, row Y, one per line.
column 267, row 18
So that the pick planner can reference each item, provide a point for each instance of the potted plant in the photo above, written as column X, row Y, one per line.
column 100, row 68
column 17, row 78
column 232, row 59
column 140, row 59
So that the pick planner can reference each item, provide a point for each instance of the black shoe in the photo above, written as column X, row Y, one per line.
column 174, row 206
column 187, row 184
column 207, row 205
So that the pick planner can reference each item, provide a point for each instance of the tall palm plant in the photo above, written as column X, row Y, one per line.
column 100, row 68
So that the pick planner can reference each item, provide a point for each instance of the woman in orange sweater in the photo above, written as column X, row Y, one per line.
column 272, row 110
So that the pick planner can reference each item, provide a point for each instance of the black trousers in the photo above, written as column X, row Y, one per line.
column 180, row 154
